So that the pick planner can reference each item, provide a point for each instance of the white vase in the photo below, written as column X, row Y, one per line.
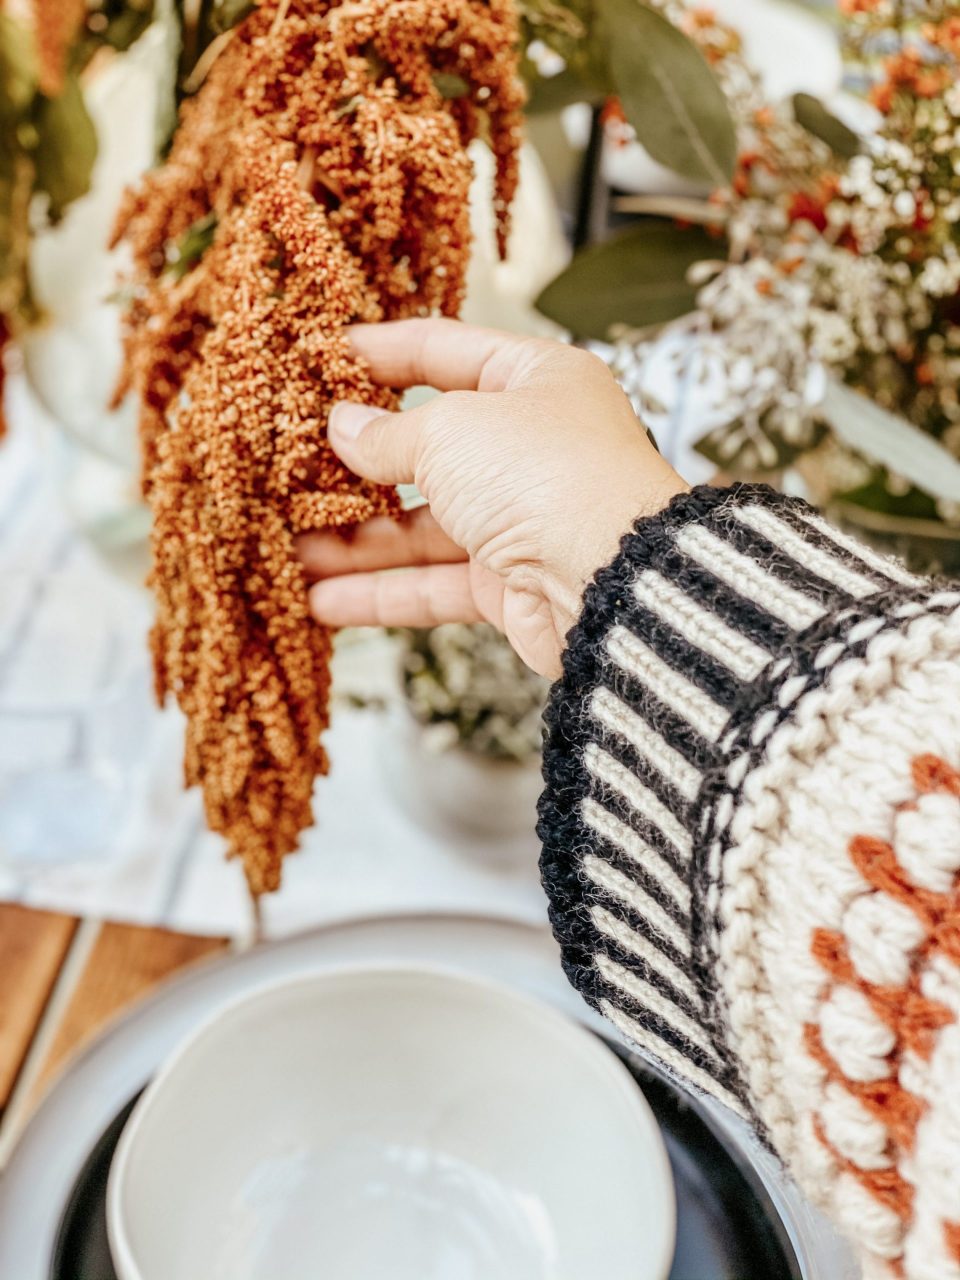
column 456, row 790
column 73, row 356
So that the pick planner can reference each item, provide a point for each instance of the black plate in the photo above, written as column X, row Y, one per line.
column 727, row 1229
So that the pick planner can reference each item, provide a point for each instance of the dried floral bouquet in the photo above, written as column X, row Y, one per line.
column 318, row 177
column 50, row 50
column 816, row 286
column 47, row 140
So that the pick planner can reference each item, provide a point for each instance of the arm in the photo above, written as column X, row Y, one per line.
column 751, row 823
column 751, row 835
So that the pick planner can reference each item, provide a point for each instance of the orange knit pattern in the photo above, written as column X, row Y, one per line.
column 319, row 177
column 913, row 1018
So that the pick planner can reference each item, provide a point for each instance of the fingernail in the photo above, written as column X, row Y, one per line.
column 348, row 419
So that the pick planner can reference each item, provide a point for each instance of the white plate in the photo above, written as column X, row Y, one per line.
column 39, row 1177
column 403, row 1122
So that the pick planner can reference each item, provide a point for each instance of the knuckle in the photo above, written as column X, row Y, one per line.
column 446, row 416
column 560, row 362
column 529, row 354
column 456, row 404
column 589, row 364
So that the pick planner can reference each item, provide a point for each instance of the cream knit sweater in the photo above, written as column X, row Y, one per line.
column 751, row 835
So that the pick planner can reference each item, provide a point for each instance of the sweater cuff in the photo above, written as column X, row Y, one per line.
column 710, row 606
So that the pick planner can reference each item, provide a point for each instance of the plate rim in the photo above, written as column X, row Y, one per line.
column 43, row 1165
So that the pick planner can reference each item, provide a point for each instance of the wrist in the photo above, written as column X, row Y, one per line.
column 610, row 513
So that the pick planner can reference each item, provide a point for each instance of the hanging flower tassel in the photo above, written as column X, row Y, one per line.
column 319, row 177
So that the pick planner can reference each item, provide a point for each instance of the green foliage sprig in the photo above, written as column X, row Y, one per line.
column 670, row 95
column 636, row 280
column 629, row 49
column 48, row 142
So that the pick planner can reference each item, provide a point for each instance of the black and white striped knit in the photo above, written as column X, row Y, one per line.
column 748, row 698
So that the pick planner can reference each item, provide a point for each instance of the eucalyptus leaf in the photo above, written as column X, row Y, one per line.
column 810, row 113
column 553, row 93
column 892, row 441
column 18, row 65
column 229, row 13
column 638, row 279
column 191, row 246
column 66, row 147
column 549, row 20
column 669, row 93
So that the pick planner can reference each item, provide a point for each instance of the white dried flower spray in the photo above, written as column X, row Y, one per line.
column 842, row 267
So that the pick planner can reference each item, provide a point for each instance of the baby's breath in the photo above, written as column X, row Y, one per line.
column 849, row 267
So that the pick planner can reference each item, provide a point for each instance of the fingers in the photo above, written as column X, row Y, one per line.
column 379, row 446
column 378, row 544
column 388, row 447
column 444, row 354
column 456, row 358
column 422, row 597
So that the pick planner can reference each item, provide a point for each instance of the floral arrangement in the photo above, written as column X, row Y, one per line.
column 814, row 289
column 468, row 689
column 48, row 142
column 318, row 177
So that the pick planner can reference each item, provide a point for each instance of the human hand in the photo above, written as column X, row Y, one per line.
column 532, row 462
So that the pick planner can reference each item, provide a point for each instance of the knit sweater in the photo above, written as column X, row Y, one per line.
column 751, row 845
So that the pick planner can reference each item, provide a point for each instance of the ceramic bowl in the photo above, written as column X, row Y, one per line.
column 391, row 1124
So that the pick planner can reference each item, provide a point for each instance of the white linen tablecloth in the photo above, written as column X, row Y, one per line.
column 160, row 866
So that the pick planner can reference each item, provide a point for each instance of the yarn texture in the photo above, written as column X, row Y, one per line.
column 751, row 844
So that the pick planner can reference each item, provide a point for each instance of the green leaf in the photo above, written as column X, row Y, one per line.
column 450, row 85
column 18, row 65
column 66, row 147
column 549, row 20
column 191, row 246
column 813, row 116
column 637, row 279
column 892, row 441
column 229, row 13
column 875, row 496
column 553, row 93
column 669, row 93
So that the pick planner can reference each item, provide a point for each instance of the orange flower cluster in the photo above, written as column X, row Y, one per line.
column 908, row 72
column 717, row 41
column 322, row 169
column 851, row 8
column 56, row 22
column 946, row 35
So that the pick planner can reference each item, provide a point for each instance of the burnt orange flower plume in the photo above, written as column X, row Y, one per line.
column 319, row 177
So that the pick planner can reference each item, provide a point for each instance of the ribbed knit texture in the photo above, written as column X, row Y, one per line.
column 751, row 846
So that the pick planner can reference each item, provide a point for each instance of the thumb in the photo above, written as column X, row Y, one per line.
column 376, row 445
